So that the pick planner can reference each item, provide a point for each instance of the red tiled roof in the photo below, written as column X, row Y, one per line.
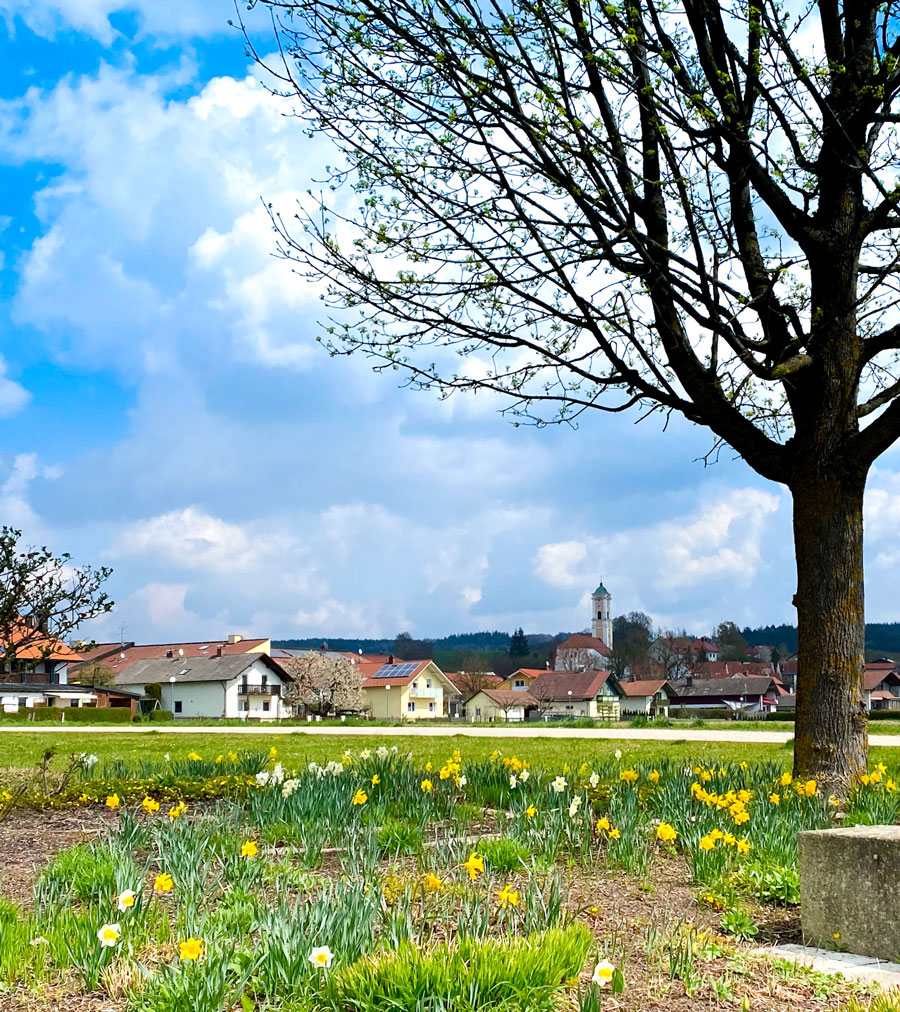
column 644, row 687
column 531, row 672
column 39, row 647
column 507, row 697
column 556, row 684
column 369, row 668
column 580, row 641
column 727, row 669
column 874, row 676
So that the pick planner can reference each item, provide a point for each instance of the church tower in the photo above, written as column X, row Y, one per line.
column 601, row 615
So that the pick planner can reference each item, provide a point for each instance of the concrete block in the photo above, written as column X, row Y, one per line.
column 848, row 889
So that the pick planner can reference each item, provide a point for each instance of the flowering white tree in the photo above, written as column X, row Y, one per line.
column 324, row 685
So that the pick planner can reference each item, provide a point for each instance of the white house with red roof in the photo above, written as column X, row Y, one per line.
column 647, row 697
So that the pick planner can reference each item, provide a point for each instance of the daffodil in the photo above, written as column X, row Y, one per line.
column 775, row 798
column 194, row 757
column 432, row 883
column 614, row 834
column 249, row 849
column 376, row 780
column 653, row 776
column 177, row 810
column 603, row 973
column 190, row 949
column 785, row 779
column 531, row 811
column 150, row 805
column 321, row 956
column 474, row 866
column 707, row 843
column 743, row 846
column 109, row 935
column 594, row 780
column 427, row 786
column 127, row 900
column 559, row 785
column 603, row 825
column 508, row 897
column 273, row 752
column 232, row 756
column 629, row 776
column 112, row 801
column 666, row 833
column 360, row 798
column 163, row 883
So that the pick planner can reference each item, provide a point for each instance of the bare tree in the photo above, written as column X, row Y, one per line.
column 324, row 685
column 672, row 206
column 94, row 673
column 43, row 599
column 470, row 682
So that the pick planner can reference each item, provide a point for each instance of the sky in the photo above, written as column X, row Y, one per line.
column 165, row 409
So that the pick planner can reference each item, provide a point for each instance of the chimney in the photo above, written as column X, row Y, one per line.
column 390, row 658
column 170, row 653
column 218, row 651
column 234, row 637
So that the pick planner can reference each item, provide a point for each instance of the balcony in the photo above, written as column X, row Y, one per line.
column 422, row 692
column 245, row 689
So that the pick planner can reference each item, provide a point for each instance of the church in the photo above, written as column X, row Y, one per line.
column 582, row 652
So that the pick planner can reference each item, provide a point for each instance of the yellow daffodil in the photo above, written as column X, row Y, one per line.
column 775, row 798
column 360, row 798
column 743, row 846
column 881, row 768
column 614, row 834
column 191, row 949
column 716, row 834
column 810, row 788
column 707, row 843
column 785, row 780
column 232, row 756
column 150, row 805
column 112, row 801
column 194, row 757
column 531, row 811
column 218, row 759
column 666, row 833
column 865, row 779
column 376, row 780
column 163, row 883
column 273, row 752
column 890, row 786
column 741, row 817
column 427, row 786
column 603, row 825
column 474, row 866
column 729, row 839
column 177, row 810
column 508, row 897
column 653, row 776
column 629, row 776
column 249, row 849
column 432, row 883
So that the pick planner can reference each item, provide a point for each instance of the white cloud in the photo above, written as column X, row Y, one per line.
column 13, row 396
column 556, row 563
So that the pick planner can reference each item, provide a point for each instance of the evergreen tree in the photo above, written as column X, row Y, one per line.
column 518, row 645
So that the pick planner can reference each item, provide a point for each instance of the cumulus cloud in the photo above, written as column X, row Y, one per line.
column 13, row 396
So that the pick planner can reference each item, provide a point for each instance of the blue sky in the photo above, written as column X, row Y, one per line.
column 166, row 411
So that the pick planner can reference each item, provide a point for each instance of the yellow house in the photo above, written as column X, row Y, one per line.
column 521, row 680
column 406, row 690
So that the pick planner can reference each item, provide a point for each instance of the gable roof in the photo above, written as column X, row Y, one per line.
column 757, row 685
column 581, row 641
column 195, row 669
column 110, row 654
column 507, row 697
column 38, row 646
column 646, row 687
column 378, row 675
column 874, row 675
column 556, row 685
column 727, row 669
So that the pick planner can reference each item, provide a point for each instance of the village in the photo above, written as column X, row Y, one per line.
column 251, row 679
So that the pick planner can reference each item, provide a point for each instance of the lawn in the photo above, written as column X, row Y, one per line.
column 309, row 880
column 23, row 749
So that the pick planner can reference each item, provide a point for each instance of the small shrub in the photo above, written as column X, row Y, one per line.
column 583, row 722
column 157, row 716
column 99, row 714
column 739, row 923
column 641, row 720
column 397, row 837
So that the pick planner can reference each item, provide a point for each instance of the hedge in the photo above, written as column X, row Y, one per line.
column 161, row 715
column 99, row 714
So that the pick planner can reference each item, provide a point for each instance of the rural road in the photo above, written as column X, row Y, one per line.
column 623, row 734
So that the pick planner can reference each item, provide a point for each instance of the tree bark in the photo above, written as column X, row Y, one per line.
column 831, row 737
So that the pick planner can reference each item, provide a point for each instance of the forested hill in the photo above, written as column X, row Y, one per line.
column 458, row 641
column 881, row 637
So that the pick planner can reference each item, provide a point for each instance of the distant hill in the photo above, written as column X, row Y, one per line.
column 470, row 642
column 881, row 637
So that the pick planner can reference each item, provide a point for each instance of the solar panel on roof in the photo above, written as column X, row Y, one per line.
column 396, row 670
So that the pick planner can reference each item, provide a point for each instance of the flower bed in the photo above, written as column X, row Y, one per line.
column 372, row 883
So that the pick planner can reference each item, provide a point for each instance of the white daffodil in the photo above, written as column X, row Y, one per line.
column 109, row 935
column 289, row 787
column 462, row 781
column 594, row 780
column 262, row 778
column 559, row 785
column 618, row 754
column 524, row 775
column 321, row 956
column 381, row 752
column 126, row 900
column 576, row 804
column 365, row 754
column 603, row 973
column 277, row 773
column 513, row 781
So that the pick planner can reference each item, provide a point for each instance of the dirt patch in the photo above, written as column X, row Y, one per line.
column 29, row 840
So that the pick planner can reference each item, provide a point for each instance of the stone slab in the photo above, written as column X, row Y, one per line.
column 851, row 966
column 848, row 890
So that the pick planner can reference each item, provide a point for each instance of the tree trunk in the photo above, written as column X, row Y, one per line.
column 831, row 738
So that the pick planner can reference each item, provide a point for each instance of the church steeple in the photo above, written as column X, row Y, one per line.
column 601, row 615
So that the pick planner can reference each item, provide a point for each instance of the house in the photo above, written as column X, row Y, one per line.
column 120, row 656
column 881, row 685
column 22, row 696
column 753, row 695
column 560, row 694
column 706, row 648
column 406, row 690
column 728, row 669
column 521, row 680
column 582, row 653
column 494, row 706
column 248, row 686
column 647, row 697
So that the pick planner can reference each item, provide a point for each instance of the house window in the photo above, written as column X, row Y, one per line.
column 265, row 679
column 477, row 711
column 178, row 706
column 427, row 683
column 266, row 706
column 431, row 707
column 569, row 706
column 519, row 683
column 23, row 701
column 73, row 702
column 411, row 707
column 242, row 705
